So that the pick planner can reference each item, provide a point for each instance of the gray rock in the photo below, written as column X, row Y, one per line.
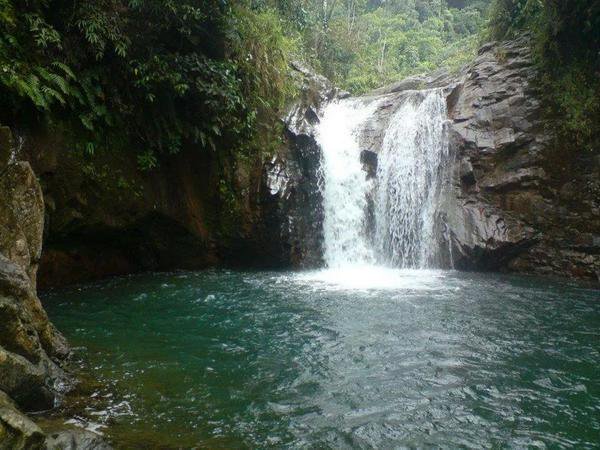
column 369, row 161
column 507, row 213
column 17, row 431
column 30, row 378
column 21, row 217
column 440, row 78
column 76, row 439
column 482, row 237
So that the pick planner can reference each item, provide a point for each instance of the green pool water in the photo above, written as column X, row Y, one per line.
column 369, row 358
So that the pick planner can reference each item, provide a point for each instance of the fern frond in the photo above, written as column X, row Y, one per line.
column 56, row 80
column 30, row 87
column 65, row 68
column 53, row 94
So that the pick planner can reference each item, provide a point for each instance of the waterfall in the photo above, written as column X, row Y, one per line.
column 344, row 184
column 406, row 190
column 410, row 175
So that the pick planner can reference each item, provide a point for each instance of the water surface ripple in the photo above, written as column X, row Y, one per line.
column 224, row 359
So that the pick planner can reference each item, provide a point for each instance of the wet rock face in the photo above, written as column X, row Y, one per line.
column 505, row 210
column 496, row 137
column 30, row 347
column 29, row 343
column 290, row 192
column 17, row 431
column 76, row 439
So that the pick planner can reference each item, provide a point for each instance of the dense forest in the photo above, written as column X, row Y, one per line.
column 153, row 76
column 299, row 223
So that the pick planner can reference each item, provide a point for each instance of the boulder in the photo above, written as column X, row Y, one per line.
column 28, row 341
column 30, row 347
column 76, row 439
column 17, row 431
column 21, row 217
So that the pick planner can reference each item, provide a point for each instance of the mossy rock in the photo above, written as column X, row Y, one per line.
column 17, row 431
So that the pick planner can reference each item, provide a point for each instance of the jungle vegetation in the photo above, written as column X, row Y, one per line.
column 566, row 41
column 155, row 76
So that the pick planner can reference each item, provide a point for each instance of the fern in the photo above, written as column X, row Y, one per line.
column 29, row 87
column 51, row 94
column 54, row 79
column 65, row 68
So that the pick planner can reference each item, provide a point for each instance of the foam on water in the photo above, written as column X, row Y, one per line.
column 373, row 277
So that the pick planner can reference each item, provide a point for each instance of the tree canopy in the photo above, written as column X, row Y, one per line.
column 363, row 44
column 154, row 76
column 150, row 75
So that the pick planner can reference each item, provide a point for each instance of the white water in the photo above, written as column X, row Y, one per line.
column 344, row 184
column 406, row 190
column 410, row 174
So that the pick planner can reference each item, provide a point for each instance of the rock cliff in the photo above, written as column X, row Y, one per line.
column 31, row 349
column 512, row 208
column 513, row 201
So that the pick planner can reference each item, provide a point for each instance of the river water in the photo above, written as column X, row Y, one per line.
column 348, row 358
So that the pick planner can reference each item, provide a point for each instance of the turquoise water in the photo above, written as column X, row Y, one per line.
column 369, row 359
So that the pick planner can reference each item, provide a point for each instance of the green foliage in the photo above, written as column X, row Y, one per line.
column 511, row 17
column 565, row 38
column 362, row 44
column 150, row 75
column 263, row 49
column 156, row 76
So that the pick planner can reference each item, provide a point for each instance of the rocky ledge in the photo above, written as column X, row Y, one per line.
column 31, row 349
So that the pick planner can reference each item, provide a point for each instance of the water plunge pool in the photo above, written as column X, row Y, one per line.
column 362, row 359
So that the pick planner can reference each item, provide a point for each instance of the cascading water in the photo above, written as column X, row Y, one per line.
column 410, row 174
column 344, row 184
